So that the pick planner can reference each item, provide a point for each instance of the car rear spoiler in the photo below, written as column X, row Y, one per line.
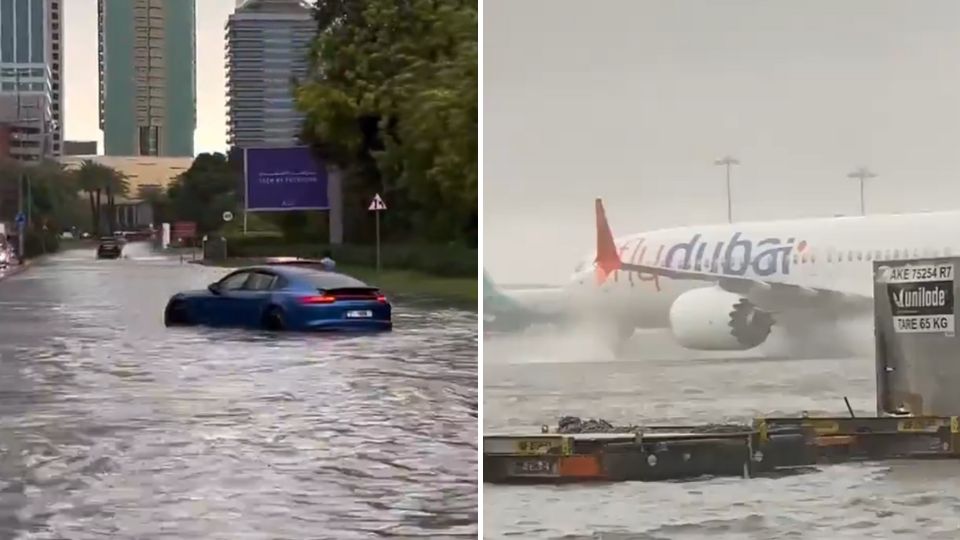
column 347, row 292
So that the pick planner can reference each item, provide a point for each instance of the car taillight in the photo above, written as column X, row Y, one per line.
column 381, row 298
column 321, row 299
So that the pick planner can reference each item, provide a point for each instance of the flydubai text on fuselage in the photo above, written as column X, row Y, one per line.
column 738, row 255
column 833, row 254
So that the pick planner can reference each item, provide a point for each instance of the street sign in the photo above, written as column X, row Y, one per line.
column 228, row 216
column 377, row 204
column 21, row 218
column 184, row 229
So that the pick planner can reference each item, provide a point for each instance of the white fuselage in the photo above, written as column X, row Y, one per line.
column 825, row 253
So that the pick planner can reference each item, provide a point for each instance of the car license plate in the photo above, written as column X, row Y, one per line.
column 360, row 314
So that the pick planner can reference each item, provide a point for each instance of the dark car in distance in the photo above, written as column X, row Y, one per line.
column 298, row 297
column 109, row 248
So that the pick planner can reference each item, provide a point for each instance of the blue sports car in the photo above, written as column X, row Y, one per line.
column 283, row 297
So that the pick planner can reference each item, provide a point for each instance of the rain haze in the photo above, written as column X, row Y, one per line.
column 633, row 101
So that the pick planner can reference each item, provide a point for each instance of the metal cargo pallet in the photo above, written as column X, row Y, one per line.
column 771, row 446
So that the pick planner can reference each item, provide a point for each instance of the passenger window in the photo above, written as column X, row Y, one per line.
column 234, row 282
column 260, row 281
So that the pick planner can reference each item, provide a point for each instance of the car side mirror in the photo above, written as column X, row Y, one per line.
column 214, row 288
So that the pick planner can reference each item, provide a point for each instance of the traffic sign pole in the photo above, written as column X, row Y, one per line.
column 20, row 220
column 376, row 206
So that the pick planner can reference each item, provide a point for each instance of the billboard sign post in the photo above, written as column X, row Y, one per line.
column 376, row 206
column 283, row 179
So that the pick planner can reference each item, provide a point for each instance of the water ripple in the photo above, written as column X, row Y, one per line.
column 113, row 426
column 895, row 500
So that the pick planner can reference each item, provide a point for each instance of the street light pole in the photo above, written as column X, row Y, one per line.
column 862, row 174
column 727, row 161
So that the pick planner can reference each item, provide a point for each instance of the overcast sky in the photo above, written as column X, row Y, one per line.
column 81, row 116
column 633, row 100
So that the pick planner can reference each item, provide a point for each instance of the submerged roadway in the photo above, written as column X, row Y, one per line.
column 112, row 425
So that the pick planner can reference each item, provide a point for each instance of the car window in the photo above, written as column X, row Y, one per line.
column 333, row 280
column 234, row 281
column 260, row 281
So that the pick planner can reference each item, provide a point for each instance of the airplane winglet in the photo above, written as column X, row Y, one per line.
column 608, row 259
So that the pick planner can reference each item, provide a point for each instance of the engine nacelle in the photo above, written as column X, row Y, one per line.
column 711, row 319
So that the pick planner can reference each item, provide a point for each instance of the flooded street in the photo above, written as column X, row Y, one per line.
column 112, row 425
column 534, row 381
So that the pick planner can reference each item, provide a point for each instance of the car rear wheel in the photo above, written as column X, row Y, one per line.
column 176, row 314
column 273, row 319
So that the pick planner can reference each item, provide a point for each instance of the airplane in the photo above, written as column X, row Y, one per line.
column 519, row 308
column 728, row 287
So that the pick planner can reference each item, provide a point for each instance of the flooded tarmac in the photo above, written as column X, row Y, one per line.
column 113, row 426
column 534, row 381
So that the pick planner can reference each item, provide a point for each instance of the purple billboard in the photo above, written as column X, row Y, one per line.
column 279, row 179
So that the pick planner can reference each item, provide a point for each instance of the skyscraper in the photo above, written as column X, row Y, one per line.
column 148, row 103
column 267, row 45
column 56, row 72
column 31, row 103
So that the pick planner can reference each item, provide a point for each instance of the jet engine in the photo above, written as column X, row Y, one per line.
column 711, row 319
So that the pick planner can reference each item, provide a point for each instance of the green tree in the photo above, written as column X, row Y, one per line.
column 392, row 99
column 48, row 188
column 204, row 191
column 53, row 196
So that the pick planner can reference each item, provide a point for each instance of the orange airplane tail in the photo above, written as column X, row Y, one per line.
column 608, row 258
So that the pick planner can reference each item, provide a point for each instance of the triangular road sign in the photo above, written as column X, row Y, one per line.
column 377, row 204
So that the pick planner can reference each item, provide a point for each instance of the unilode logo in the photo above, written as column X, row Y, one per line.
column 915, row 298
column 735, row 257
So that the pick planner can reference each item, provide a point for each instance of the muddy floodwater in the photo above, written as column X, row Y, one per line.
column 113, row 426
column 529, row 381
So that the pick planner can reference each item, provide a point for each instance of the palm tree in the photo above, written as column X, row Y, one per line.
column 95, row 179
column 54, row 189
column 87, row 180
column 116, row 184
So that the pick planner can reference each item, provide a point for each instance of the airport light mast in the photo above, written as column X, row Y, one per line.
column 727, row 161
column 862, row 174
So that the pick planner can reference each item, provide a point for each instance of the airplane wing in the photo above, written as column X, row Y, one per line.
column 544, row 300
column 769, row 294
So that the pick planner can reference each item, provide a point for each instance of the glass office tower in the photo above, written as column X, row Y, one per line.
column 147, row 51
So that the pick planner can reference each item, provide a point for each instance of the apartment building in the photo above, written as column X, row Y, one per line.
column 147, row 56
column 268, row 43
column 31, row 69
